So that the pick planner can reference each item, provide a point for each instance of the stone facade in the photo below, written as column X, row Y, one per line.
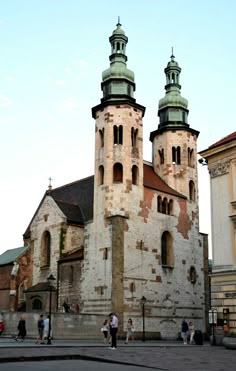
column 132, row 230
column 221, row 161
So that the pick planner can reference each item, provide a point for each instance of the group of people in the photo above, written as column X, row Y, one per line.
column 43, row 329
column 187, row 332
column 42, row 326
column 110, row 326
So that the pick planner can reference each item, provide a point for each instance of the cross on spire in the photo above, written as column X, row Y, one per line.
column 118, row 24
column 50, row 183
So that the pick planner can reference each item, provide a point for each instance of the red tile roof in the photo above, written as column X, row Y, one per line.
column 224, row 140
column 154, row 181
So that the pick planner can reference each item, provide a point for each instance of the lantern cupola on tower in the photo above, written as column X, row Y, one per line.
column 118, row 81
column 173, row 108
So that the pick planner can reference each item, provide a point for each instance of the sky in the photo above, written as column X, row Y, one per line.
column 52, row 54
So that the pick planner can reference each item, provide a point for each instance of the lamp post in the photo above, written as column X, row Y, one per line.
column 50, row 280
column 143, row 302
column 213, row 322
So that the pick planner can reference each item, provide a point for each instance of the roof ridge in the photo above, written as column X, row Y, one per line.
column 71, row 183
column 225, row 139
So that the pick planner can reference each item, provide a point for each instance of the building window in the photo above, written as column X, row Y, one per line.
column 36, row 304
column 170, row 207
column 190, row 157
column 118, row 134
column 117, row 173
column 46, row 249
column 159, row 204
column 161, row 156
column 101, row 137
column 164, row 206
column 128, row 89
column 105, row 253
column 134, row 135
column 100, row 175
column 134, row 175
column 192, row 275
column 166, row 249
column 132, row 287
column 192, row 191
column 176, row 155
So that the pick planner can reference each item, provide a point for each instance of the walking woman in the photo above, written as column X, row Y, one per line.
column 130, row 331
column 21, row 329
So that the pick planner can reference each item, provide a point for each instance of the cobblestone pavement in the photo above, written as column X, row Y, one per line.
column 166, row 356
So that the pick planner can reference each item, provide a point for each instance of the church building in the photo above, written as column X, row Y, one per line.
column 130, row 231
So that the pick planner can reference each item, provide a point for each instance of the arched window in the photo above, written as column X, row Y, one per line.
column 164, row 206
column 46, row 249
column 176, row 155
column 159, row 204
column 101, row 175
column 117, row 173
column 101, row 138
column 192, row 191
column 173, row 78
column 36, row 304
column 166, row 249
column 190, row 157
column 135, row 175
column 170, row 207
column 161, row 155
column 118, row 47
column 118, row 134
column 134, row 135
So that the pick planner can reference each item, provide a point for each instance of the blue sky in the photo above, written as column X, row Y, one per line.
column 53, row 53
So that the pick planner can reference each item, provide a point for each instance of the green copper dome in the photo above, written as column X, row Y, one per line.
column 118, row 29
column 118, row 81
column 173, row 108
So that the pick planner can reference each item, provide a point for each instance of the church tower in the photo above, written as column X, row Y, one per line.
column 174, row 143
column 118, row 173
column 118, row 136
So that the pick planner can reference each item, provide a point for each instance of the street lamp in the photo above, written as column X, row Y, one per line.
column 143, row 302
column 213, row 322
column 50, row 280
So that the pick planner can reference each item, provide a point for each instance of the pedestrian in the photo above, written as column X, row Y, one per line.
column 130, row 331
column 1, row 326
column 184, row 331
column 105, row 330
column 191, row 332
column 40, row 330
column 46, row 327
column 114, row 329
column 21, row 329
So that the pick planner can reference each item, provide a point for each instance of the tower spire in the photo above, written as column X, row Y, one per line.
column 173, row 108
column 118, row 80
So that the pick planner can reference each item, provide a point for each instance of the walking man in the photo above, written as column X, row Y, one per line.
column 114, row 329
